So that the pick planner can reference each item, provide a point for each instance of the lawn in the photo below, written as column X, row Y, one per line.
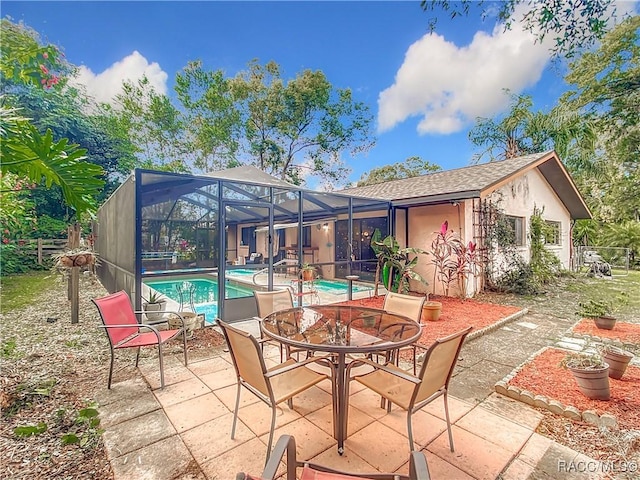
column 19, row 291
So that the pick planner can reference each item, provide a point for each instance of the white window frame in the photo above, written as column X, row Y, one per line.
column 555, row 231
column 519, row 229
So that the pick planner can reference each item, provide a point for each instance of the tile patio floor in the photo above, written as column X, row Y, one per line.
column 184, row 430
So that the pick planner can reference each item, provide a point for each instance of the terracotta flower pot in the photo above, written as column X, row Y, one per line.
column 593, row 383
column 618, row 361
column 307, row 275
column 604, row 322
column 431, row 311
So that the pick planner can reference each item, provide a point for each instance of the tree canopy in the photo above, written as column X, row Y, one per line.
column 574, row 24
column 293, row 129
column 411, row 167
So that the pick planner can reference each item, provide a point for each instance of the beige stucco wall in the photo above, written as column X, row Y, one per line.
column 518, row 198
column 424, row 222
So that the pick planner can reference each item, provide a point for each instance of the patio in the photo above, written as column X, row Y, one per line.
column 183, row 431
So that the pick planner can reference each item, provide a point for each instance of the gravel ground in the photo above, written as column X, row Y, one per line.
column 50, row 371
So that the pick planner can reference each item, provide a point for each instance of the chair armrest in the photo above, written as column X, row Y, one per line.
column 418, row 468
column 138, row 325
column 285, row 444
column 393, row 371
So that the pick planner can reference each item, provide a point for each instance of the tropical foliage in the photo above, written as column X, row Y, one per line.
column 26, row 151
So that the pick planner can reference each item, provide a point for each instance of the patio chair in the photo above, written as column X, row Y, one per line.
column 409, row 306
column 269, row 302
column 124, row 331
column 273, row 386
column 418, row 468
column 409, row 392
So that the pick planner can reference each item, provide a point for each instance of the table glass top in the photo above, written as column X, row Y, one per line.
column 352, row 328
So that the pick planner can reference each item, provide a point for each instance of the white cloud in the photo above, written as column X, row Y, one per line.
column 106, row 85
column 449, row 86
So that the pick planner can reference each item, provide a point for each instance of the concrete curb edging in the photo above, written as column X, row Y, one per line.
column 569, row 411
column 489, row 328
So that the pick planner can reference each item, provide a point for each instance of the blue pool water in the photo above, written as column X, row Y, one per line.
column 205, row 293
column 336, row 287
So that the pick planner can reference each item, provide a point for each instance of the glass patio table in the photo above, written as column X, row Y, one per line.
column 340, row 330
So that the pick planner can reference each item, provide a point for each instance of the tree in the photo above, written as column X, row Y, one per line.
column 25, row 151
column 522, row 131
column 411, row 167
column 606, row 87
column 209, row 108
column 291, row 129
column 575, row 24
column 154, row 126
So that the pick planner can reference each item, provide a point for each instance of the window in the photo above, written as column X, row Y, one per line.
column 552, row 233
column 517, row 229
column 306, row 236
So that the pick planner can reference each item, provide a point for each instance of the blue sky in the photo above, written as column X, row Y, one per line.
column 424, row 90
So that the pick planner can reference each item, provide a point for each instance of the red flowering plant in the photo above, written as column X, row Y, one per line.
column 452, row 259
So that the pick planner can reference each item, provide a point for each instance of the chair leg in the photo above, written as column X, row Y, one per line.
column 184, row 345
column 235, row 412
column 446, row 414
column 137, row 356
column 110, row 370
column 273, row 427
column 161, row 365
column 410, row 432
column 415, row 352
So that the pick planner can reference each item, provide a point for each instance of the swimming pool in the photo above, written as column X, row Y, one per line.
column 205, row 293
column 337, row 287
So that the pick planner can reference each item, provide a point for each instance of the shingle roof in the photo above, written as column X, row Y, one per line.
column 469, row 182
column 474, row 178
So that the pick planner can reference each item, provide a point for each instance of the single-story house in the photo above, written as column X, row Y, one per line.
column 421, row 204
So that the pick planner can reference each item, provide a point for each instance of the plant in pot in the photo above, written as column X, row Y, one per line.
column 590, row 372
column 617, row 359
column 601, row 311
column 154, row 306
column 307, row 272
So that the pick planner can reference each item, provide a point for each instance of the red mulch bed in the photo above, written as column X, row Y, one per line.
column 544, row 376
column 623, row 331
column 457, row 314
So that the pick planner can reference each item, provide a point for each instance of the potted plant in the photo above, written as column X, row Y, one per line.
column 601, row 311
column 591, row 374
column 618, row 360
column 307, row 272
column 155, row 304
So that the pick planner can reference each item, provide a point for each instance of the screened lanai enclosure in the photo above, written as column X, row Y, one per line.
column 208, row 241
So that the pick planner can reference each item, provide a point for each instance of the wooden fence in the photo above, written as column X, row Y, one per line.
column 42, row 247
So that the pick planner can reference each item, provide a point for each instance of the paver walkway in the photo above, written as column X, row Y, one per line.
column 184, row 430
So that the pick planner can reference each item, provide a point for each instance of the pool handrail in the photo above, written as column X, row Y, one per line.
column 284, row 261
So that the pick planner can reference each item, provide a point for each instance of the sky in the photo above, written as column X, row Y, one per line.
column 424, row 89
